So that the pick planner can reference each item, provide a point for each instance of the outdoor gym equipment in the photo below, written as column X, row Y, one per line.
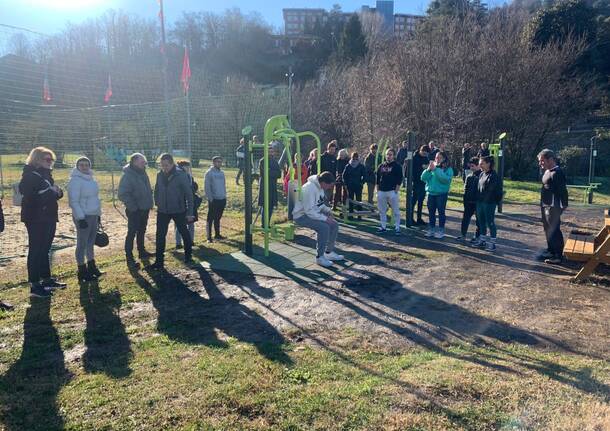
column 277, row 129
column 497, row 152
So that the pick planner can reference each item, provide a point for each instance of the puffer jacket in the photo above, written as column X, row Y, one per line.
column 174, row 193
column 135, row 190
column 83, row 195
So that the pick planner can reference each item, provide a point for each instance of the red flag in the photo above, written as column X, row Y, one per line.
column 46, row 90
column 186, row 71
column 108, row 94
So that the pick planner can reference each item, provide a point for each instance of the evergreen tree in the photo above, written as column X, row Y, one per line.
column 352, row 46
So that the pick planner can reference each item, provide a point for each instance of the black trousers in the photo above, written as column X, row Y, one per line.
column 163, row 221
column 551, row 222
column 216, row 208
column 470, row 209
column 137, row 221
column 354, row 194
column 239, row 174
column 40, row 239
column 418, row 197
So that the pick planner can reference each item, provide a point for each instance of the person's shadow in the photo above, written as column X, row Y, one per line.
column 192, row 316
column 28, row 390
column 108, row 347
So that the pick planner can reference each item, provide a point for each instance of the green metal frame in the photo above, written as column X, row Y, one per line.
column 278, row 129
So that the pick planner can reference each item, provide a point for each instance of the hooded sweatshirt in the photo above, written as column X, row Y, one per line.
column 437, row 181
column 354, row 175
column 214, row 184
column 312, row 202
column 83, row 195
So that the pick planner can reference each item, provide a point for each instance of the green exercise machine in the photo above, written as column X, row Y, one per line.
column 277, row 130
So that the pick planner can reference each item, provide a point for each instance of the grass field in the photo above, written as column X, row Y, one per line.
column 170, row 371
column 139, row 352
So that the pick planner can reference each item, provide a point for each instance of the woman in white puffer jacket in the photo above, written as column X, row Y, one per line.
column 83, row 197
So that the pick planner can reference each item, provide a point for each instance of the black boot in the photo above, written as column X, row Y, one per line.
column 131, row 262
column 93, row 269
column 83, row 274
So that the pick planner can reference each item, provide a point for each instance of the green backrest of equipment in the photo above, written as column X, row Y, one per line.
column 494, row 151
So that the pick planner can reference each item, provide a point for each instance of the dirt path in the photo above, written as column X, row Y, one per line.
column 401, row 291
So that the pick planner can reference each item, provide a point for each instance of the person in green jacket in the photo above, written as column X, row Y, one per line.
column 437, row 176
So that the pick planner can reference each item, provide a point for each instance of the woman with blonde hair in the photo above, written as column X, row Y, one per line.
column 39, row 213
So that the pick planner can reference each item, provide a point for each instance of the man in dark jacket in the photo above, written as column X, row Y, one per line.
column 174, row 200
column 5, row 306
column 466, row 150
column 432, row 150
column 275, row 173
column 401, row 156
column 240, row 155
column 420, row 163
column 471, row 185
column 369, row 166
column 553, row 201
column 136, row 194
column 484, row 151
column 328, row 163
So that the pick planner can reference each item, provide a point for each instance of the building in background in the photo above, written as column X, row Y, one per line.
column 385, row 9
column 298, row 21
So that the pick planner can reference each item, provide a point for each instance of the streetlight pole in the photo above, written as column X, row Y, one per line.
column 290, row 75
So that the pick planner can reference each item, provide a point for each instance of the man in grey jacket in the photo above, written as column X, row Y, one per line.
column 174, row 200
column 136, row 193
column 216, row 195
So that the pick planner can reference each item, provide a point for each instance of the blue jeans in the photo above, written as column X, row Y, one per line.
column 437, row 203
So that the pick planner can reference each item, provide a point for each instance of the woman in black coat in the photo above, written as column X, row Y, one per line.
column 354, row 177
column 39, row 212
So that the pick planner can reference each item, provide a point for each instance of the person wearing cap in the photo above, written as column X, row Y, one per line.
column 312, row 212
column 84, row 199
column 216, row 195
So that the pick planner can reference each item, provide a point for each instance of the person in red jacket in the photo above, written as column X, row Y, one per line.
column 5, row 306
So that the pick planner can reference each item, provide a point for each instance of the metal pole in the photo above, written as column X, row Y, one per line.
column 248, row 195
column 409, row 175
column 168, row 125
column 188, row 128
column 290, row 75
column 501, row 173
column 592, row 156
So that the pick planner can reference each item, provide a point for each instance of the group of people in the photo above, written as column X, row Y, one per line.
column 174, row 196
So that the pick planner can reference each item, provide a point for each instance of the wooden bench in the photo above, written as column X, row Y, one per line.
column 587, row 191
column 590, row 249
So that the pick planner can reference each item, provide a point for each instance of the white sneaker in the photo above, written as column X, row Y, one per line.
column 333, row 256
column 439, row 234
column 322, row 261
column 429, row 233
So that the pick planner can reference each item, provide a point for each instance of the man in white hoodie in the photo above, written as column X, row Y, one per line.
column 312, row 212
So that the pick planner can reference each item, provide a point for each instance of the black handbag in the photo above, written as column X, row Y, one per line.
column 101, row 237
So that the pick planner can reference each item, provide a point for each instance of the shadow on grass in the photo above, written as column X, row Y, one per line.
column 29, row 389
column 108, row 347
column 187, row 316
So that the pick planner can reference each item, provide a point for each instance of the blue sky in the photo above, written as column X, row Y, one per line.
column 48, row 16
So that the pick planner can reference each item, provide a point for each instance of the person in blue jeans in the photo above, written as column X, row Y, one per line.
column 437, row 176
column 488, row 196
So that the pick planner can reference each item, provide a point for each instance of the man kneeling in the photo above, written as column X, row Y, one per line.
column 312, row 212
